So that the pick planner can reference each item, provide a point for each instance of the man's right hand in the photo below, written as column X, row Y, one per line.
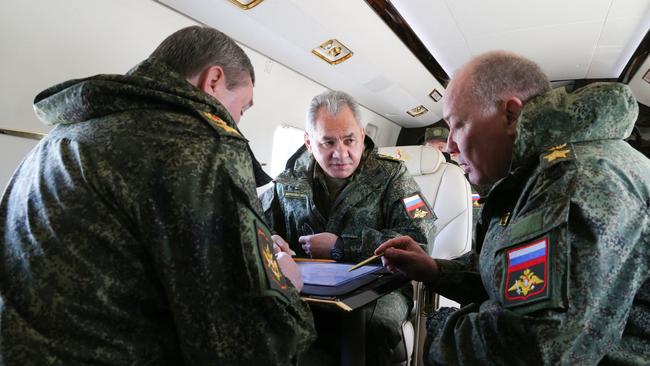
column 405, row 255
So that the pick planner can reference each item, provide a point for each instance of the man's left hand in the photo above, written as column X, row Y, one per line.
column 318, row 245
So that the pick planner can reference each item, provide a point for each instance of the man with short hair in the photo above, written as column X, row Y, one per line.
column 559, row 270
column 132, row 234
column 436, row 137
column 338, row 199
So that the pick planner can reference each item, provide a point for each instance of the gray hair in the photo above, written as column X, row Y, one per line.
column 494, row 75
column 191, row 50
column 332, row 100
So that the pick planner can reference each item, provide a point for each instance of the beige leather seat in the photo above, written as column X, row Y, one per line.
column 444, row 187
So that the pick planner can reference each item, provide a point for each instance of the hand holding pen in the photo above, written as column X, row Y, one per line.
column 405, row 255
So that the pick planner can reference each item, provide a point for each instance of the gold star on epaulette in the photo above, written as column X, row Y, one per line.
column 388, row 157
column 557, row 154
column 221, row 124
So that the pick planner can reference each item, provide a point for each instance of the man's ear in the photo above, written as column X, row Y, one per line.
column 513, row 106
column 211, row 79
column 307, row 141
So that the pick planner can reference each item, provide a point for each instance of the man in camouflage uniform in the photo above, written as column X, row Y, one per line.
column 559, row 272
column 437, row 137
column 132, row 233
column 339, row 199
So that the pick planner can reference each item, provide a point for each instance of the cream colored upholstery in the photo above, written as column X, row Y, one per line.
column 448, row 193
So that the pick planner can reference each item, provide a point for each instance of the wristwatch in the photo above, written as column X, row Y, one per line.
column 336, row 252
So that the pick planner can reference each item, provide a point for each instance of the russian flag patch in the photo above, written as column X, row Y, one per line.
column 475, row 200
column 527, row 273
column 415, row 207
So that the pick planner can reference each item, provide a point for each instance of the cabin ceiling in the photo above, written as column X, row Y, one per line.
column 578, row 39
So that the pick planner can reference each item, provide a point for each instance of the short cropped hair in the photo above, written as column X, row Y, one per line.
column 332, row 100
column 191, row 50
column 494, row 75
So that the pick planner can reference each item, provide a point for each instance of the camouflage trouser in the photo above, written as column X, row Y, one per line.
column 384, row 345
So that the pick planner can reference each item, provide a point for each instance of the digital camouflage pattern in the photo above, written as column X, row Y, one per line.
column 132, row 235
column 580, row 195
column 436, row 133
column 367, row 211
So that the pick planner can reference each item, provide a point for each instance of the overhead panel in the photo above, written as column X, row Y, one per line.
column 570, row 40
column 287, row 32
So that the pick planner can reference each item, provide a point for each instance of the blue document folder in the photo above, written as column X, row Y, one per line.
column 333, row 279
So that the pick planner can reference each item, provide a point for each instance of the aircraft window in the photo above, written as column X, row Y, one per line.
column 286, row 140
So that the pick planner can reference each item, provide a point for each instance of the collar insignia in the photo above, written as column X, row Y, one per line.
column 219, row 123
column 527, row 273
column 415, row 207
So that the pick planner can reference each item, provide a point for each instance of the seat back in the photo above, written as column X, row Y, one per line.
column 444, row 187
column 447, row 192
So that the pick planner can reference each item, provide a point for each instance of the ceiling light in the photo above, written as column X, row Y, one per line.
column 332, row 51
column 646, row 76
column 417, row 111
column 435, row 95
column 246, row 4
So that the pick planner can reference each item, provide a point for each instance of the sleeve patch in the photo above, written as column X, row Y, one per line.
column 274, row 276
column 415, row 207
column 527, row 275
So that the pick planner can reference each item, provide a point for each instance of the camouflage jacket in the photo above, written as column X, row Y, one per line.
column 561, row 274
column 369, row 210
column 132, row 235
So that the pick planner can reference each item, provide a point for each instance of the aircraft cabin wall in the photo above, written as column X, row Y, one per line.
column 45, row 43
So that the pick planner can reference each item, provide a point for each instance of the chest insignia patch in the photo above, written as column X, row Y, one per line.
column 273, row 273
column 415, row 207
column 527, row 273
column 219, row 123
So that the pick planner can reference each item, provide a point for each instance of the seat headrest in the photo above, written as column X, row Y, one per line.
column 419, row 159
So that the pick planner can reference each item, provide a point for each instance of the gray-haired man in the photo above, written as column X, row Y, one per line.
column 339, row 199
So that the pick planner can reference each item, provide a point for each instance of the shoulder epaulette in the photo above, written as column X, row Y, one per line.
column 221, row 126
column 388, row 157
column 556, row 154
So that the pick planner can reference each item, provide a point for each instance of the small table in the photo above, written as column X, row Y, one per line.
column 352, row 316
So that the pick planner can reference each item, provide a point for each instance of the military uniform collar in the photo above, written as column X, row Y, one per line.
column 595, row 112
column 150, row 84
